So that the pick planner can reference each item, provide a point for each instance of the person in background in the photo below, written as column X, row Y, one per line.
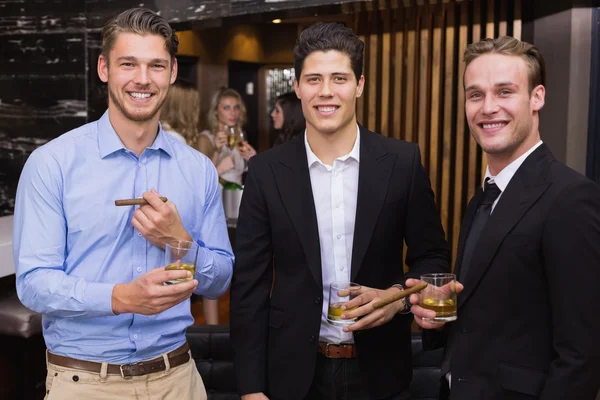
column 226, row 117
column 179, row 117
column 288, row 119
column 113, row 328
column 529, row 248
column 179, row 114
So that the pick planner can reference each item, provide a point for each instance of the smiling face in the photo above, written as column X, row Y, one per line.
column 328, row 91
column 139, row 72
column 501, row 112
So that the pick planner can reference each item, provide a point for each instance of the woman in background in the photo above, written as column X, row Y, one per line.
column 288, row 119
column 226, row 117
column 179, row 117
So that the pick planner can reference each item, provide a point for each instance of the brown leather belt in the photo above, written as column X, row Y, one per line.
column 176, row 357
column 331, row 350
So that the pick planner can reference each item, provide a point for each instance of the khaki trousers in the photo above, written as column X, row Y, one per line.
column 179, row 383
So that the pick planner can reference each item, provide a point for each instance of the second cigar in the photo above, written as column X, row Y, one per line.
column 135, row 202
column 403, row 293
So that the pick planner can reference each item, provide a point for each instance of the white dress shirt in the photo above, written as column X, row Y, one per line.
column 335, row 189
column 503, row 178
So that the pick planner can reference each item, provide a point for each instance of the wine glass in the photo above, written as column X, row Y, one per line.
column 232, row 138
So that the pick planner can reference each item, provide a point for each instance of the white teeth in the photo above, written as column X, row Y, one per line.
column 326, row 109
column 496, row 125
column 140, row 95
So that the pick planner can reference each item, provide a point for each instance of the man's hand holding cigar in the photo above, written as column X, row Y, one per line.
column 375, row 307
column 159, row 222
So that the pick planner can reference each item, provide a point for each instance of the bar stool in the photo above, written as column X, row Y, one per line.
column 21, row 337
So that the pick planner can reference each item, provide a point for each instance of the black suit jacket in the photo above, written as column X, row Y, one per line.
column 277, row 291
column 528, row 324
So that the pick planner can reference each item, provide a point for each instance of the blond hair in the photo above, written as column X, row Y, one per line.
column 507, row 45
column 180, row 111
column 211, row 117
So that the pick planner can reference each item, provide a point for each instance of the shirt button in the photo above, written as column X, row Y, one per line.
column 339, row 236
column 139, row 233
column 341, row 267
column 135, row 336
column 140, row 165
column 337, row 205
column 139, row 269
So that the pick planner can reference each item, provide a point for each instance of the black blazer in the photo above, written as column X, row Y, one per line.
column 528, row 324
column 277, row 291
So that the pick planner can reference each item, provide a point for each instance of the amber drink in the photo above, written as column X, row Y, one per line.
column 439, row 296
column 181, row 255
column 339, row 294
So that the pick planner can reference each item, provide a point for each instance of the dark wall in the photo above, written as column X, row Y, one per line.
column 48, row 56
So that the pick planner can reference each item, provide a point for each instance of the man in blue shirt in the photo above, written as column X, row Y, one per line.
column 96, row 271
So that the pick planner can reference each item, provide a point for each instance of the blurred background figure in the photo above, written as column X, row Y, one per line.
column 180, row 118
column 179, row 115
column 225, row 141
column 288, row 119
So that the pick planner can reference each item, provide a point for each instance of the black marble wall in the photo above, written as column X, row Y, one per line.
column 48, row 56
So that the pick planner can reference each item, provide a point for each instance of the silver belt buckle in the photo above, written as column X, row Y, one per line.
column 123, row 373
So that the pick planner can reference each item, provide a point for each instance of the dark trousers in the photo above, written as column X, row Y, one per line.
column 340, row 379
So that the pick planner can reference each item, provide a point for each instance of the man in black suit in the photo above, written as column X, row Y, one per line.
column 529, row 248
column 335, row 203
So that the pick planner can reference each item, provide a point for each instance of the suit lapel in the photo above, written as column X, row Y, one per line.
column 374, row 171
column 522, row 192
column 293, row 182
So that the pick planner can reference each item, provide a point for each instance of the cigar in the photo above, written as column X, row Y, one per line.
column 397, row 296
column 136, row 202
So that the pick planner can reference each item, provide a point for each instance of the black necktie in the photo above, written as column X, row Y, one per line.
column 490, row 194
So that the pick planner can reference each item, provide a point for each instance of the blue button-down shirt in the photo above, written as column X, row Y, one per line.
column 72, row 244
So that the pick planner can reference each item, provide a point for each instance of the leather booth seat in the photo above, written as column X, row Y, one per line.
column 22, row 341
column 212, row 353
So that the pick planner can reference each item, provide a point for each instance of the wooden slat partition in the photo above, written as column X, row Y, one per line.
column 414, row 85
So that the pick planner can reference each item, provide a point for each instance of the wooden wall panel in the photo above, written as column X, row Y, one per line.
column 414, row 85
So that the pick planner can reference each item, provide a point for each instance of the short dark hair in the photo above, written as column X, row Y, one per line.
column 329, row 36
column 140, row 21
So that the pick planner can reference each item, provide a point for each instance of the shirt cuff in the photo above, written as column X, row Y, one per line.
column 98, row 298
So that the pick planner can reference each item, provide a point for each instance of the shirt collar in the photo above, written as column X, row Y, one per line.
column 354, row 153
column 109, row 142
column 504, row 177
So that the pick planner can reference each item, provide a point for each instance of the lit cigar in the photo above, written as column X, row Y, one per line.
column 397, row 296
column 135, row 202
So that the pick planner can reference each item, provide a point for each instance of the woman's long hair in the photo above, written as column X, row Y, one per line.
column 211, row 117
column 294, row 122
column 179, row 112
